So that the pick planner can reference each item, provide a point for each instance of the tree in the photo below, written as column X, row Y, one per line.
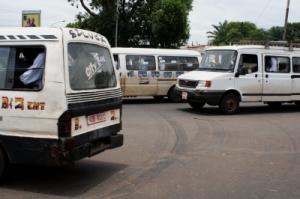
column 227, row 32
column 151, row 23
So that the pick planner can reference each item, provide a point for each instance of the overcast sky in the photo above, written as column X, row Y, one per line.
column 264, row 13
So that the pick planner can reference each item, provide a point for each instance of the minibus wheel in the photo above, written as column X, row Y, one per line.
column 197, row 105
column 174, row 95
column 3, row 165
column 230, row 104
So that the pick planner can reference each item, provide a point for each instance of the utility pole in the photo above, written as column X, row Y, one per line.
column 117, row 24
column 286, row 20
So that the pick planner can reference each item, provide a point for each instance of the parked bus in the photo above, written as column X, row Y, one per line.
column 60, row 96
column 153, row 72
column 229, row 75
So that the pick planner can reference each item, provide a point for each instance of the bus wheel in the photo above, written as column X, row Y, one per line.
column 230, row 104
column 158, row 97
column 274, row 104
column 3, row 165
column 197, row 105
column 173, row 95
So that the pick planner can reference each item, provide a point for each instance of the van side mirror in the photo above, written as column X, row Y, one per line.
column 242, row 71
column 237, row 74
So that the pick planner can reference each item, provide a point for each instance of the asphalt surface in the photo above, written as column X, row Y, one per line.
column 172, row 151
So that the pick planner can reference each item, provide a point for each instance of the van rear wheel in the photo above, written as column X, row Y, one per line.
column 197, row 105
column 174, row 95
column 229, row 104
column 3, row 165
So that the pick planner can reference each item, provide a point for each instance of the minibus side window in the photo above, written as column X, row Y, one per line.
column 117, row 62
column 276, row 64
column 174, row 63
column 22, row 68
column 140, row 62
column 296, row 64
column 248, row 64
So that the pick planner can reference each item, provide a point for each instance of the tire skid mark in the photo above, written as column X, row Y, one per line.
column 292, row 161
column 215, row 129
column 137, row 178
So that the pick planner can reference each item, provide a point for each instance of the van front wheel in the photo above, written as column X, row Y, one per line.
column 229, row 104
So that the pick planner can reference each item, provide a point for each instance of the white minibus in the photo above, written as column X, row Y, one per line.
column 153, row 72
column 229, row 75
column 60, row 96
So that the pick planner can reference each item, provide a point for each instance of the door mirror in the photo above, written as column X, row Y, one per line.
column 242, row 71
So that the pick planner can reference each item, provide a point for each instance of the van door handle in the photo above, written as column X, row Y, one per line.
column 267, row 76
column 256, row 75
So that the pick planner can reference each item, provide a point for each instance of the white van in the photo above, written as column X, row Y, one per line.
column 60, row 96
column 229, row 75
column 153, row 72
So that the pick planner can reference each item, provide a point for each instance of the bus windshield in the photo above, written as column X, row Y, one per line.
column 218, row 60
column 90, row 67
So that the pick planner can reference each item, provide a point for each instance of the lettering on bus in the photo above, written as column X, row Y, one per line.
column 88, row 35
column 18, row 103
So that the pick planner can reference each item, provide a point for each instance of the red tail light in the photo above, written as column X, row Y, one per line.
column 64, row 124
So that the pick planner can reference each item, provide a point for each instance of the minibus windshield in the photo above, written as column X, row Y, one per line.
column 218, row 60
column 90, row 67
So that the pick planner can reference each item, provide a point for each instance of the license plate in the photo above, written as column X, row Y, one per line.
column 184, row 95
column 96, row 118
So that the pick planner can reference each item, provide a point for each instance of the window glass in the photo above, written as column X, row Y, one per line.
column 248, row 64
column 174, row 63
column 140, row 62
column 22, row 67
column 218, row 60
column 90, row 67
column 116, row 60
column 274, row 64
column 296, row 64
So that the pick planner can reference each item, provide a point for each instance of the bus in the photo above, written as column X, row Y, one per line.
column 229, row 75
column 153, row 72
column 60, row 96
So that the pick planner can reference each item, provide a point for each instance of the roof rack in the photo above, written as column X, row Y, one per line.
column 268, row 44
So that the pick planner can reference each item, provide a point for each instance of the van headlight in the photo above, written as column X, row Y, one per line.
column 204, row 84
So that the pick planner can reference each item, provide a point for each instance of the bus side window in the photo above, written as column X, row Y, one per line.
column 117, row 61
column 21, row 67
column 296, row 64
column 248, row 64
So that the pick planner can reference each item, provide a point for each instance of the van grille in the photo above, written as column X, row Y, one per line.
column 93, row 96
column 188, row 84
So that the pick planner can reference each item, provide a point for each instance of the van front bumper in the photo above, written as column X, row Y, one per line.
column 211, row 97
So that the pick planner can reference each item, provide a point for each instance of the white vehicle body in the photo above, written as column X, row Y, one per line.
column 64, row 120
column 153, row 72
column 251, row 73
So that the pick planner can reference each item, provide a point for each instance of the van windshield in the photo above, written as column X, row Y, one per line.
column 218, row 60
column 90, row 67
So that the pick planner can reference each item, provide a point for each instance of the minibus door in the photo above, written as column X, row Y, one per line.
column 277, row 81
column 249, row 77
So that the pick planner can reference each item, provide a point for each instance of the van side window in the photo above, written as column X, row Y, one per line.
column 173, row 63
column 117, row 61
column 248, row 64
column 296, row 64
column 22, row 67
column 276, row 64
column 140, row 62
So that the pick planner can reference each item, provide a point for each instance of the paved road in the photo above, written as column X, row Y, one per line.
column 172, row 151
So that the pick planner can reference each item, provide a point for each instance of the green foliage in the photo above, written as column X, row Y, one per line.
column 150, row 23
column 228, row 32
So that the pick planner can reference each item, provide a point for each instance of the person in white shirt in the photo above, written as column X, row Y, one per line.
column 34, row 74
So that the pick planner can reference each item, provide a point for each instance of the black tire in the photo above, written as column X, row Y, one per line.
column 3, row 165
column 197, row 105
column 274, row 104
column 174, row 95
column 158, row 97
column 230, row 104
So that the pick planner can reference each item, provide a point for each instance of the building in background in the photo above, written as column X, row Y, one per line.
column 31, row 18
